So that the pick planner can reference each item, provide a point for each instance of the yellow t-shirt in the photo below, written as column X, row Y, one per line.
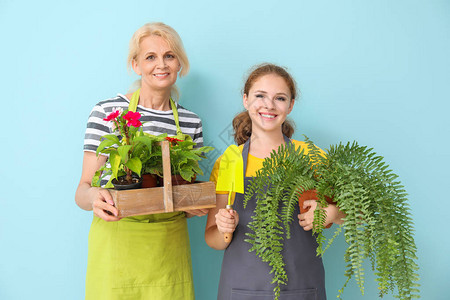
column 253, row 164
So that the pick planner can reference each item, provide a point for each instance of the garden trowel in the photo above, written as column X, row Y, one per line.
column 231, row 177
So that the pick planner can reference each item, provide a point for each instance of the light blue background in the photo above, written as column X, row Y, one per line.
column 374, row 71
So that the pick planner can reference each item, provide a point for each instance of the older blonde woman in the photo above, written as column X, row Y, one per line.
column 142, row 257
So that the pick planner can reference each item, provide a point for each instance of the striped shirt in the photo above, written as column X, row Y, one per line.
column 154, row 122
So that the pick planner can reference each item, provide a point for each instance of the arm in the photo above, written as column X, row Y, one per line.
column 334, row 215
column 196, row 212
column 220, row 221
column 93, row 198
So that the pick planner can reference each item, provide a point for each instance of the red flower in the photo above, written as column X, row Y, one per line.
column 112, row 116
column 133, row 119
column 134, row 123
column 173, row 140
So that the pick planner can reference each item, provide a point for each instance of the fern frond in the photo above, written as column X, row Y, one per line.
column 276, row 187
column 377, row 226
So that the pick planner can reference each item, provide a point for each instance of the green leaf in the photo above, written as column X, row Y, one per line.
column 109, row 184
column 123, row 152
column 135, row 165
column 112, row 137
column 161, row 137
column 104, row 144
column 196, row 169
column 114, row 160
column 96, row 179
column 187, row 144
column 146, row 141
column 187, row 173
column 206, row 149
column 109, row 150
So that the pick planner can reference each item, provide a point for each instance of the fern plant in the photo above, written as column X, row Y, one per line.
column 275, row 205
column 377, row 226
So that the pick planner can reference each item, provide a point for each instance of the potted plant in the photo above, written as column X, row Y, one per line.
column 152, row 163
column 377, row 225
column 184, row 160
column 131, row 152
column 126, row 151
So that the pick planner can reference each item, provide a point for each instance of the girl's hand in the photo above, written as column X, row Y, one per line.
column 306, row 220
column 220, row 224
column 103, row 206
column 332, row 211
column 334, row 215
column 227, row 220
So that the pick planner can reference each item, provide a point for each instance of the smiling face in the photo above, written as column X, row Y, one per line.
column 268, row 103
column 156, row 63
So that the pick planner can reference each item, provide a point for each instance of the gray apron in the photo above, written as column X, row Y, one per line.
column 245, row 276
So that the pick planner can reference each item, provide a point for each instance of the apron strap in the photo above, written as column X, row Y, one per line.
column 247, row 148
column 175, row 116
column 134, row 103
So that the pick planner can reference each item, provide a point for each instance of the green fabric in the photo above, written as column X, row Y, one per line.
column 141, row 257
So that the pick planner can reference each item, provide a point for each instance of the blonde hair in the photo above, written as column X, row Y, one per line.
column 171, row 37
column 242, row 124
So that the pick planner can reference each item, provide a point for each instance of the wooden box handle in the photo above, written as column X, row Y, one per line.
column 167, row 177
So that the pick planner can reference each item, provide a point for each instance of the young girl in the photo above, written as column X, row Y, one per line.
column 269, row 96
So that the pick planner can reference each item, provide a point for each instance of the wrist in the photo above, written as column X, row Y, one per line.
column 93, row 195
column 331, row 211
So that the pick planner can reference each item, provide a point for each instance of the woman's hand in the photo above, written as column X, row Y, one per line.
column 103, row 206
column 93, row 198
column 226, row 220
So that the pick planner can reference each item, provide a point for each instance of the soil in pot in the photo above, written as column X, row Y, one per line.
column 121, row 184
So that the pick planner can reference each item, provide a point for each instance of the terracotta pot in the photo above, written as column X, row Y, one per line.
column 178, row 180
column 311, row 195
column 149, row 180
column 137, row 183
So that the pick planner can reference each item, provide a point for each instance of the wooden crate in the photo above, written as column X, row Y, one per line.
column 167, row 198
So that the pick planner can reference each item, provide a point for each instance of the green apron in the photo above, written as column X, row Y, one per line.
column 140, row 257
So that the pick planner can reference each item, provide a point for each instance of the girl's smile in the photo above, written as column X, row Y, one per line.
column 268, row 116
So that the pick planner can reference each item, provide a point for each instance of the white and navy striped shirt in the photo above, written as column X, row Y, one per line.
column 154, row 122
